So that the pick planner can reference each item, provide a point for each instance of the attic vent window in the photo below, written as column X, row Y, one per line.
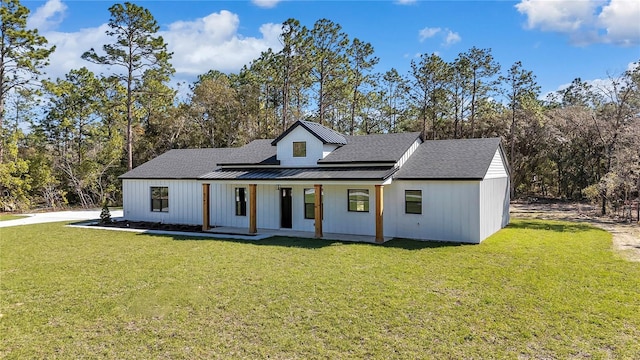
column 299, row 149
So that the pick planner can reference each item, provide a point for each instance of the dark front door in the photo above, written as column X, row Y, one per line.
column 285, row 208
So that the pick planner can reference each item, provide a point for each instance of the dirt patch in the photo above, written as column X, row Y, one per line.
column 626, row 236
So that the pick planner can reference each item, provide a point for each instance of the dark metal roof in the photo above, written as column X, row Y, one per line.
column 372, row 148
column 323, row 133
column 180, row 164
column 450, row 159
column 363, row 173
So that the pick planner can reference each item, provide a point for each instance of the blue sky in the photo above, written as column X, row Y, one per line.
column 557, row 40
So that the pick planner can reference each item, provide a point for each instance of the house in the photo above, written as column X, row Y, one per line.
column 316, row 180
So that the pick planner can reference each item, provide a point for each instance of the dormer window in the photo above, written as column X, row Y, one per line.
column 299, row 149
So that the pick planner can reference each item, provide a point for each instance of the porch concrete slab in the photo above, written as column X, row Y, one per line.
column 226, row 230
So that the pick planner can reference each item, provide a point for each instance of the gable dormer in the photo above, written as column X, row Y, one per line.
column 304, row 143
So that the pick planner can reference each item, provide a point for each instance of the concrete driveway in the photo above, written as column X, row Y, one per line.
column 77, row 215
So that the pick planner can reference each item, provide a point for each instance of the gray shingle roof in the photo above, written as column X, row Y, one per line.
column 372, row 148
column 256, row 152
column 180, row 164
column 323, row 133
column 439, row 159
column 361, row 173
column 450, row 159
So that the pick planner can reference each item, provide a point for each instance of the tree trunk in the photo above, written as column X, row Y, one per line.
column 321, row 99
column 129, row 110
column 512, row 150
column 473, row 106
column 353, row 109
column 2, row 136
column 129, row 130
column 285, row 98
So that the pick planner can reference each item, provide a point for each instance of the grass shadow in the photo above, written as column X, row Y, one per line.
column 553, row 226
column 410, row 244
column 309, row 243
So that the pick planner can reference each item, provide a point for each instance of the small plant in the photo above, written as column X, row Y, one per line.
column 105, row 214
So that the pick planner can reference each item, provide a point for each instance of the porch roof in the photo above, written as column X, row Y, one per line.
column 302, row 174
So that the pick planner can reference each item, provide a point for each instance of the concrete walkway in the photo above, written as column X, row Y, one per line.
column 86, row 216
column 77, row 215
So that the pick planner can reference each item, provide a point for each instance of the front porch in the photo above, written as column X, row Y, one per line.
column 288, row 211
column 260, row 234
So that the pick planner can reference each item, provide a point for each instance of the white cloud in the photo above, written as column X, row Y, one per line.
column 267, row 4
column 405, row 2
column 558, row 15
column 621, row 19
column 449, row 37
column 47, row 16
column 428, row 33
column 211, row 42
column 71, row 46
column 452, row 38
column 586, row 22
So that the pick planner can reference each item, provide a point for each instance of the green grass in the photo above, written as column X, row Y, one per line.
column 534, row 290
column 6, row 217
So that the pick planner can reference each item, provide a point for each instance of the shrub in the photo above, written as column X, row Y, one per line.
column 105, row 214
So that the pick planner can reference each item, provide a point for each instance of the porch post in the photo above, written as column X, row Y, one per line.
column 205, row 207
column 252, row 209
column 318, row 210
column 379, row 213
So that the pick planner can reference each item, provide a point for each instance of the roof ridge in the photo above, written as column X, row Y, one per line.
column 321, row 132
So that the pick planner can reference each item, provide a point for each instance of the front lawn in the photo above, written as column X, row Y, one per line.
column 537, row 289
column 7, row 217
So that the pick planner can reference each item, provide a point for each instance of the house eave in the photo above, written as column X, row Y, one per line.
column 440, row 178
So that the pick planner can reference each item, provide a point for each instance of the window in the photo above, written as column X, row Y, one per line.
column 358, row 200
column 299, row 149
column 310, row 203
column 160, row 198
column 413, row 201
column 241, row 202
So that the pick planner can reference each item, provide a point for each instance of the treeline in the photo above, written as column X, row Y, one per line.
column 65, row 141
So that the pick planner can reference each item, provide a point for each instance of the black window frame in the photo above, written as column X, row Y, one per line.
column 302, row 150
column 240, row 194
column 407, row 202
column 310, row 208
column 158, row 199
column 365, row 202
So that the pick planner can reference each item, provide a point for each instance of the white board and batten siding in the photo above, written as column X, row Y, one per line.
column 449, row 211
column 494, row 197
column 337, row 218
column 494, row 205
column 314, row 148
column 185, row 201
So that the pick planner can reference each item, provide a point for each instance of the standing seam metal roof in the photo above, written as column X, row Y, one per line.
column 361, row 173
column 323, row 133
